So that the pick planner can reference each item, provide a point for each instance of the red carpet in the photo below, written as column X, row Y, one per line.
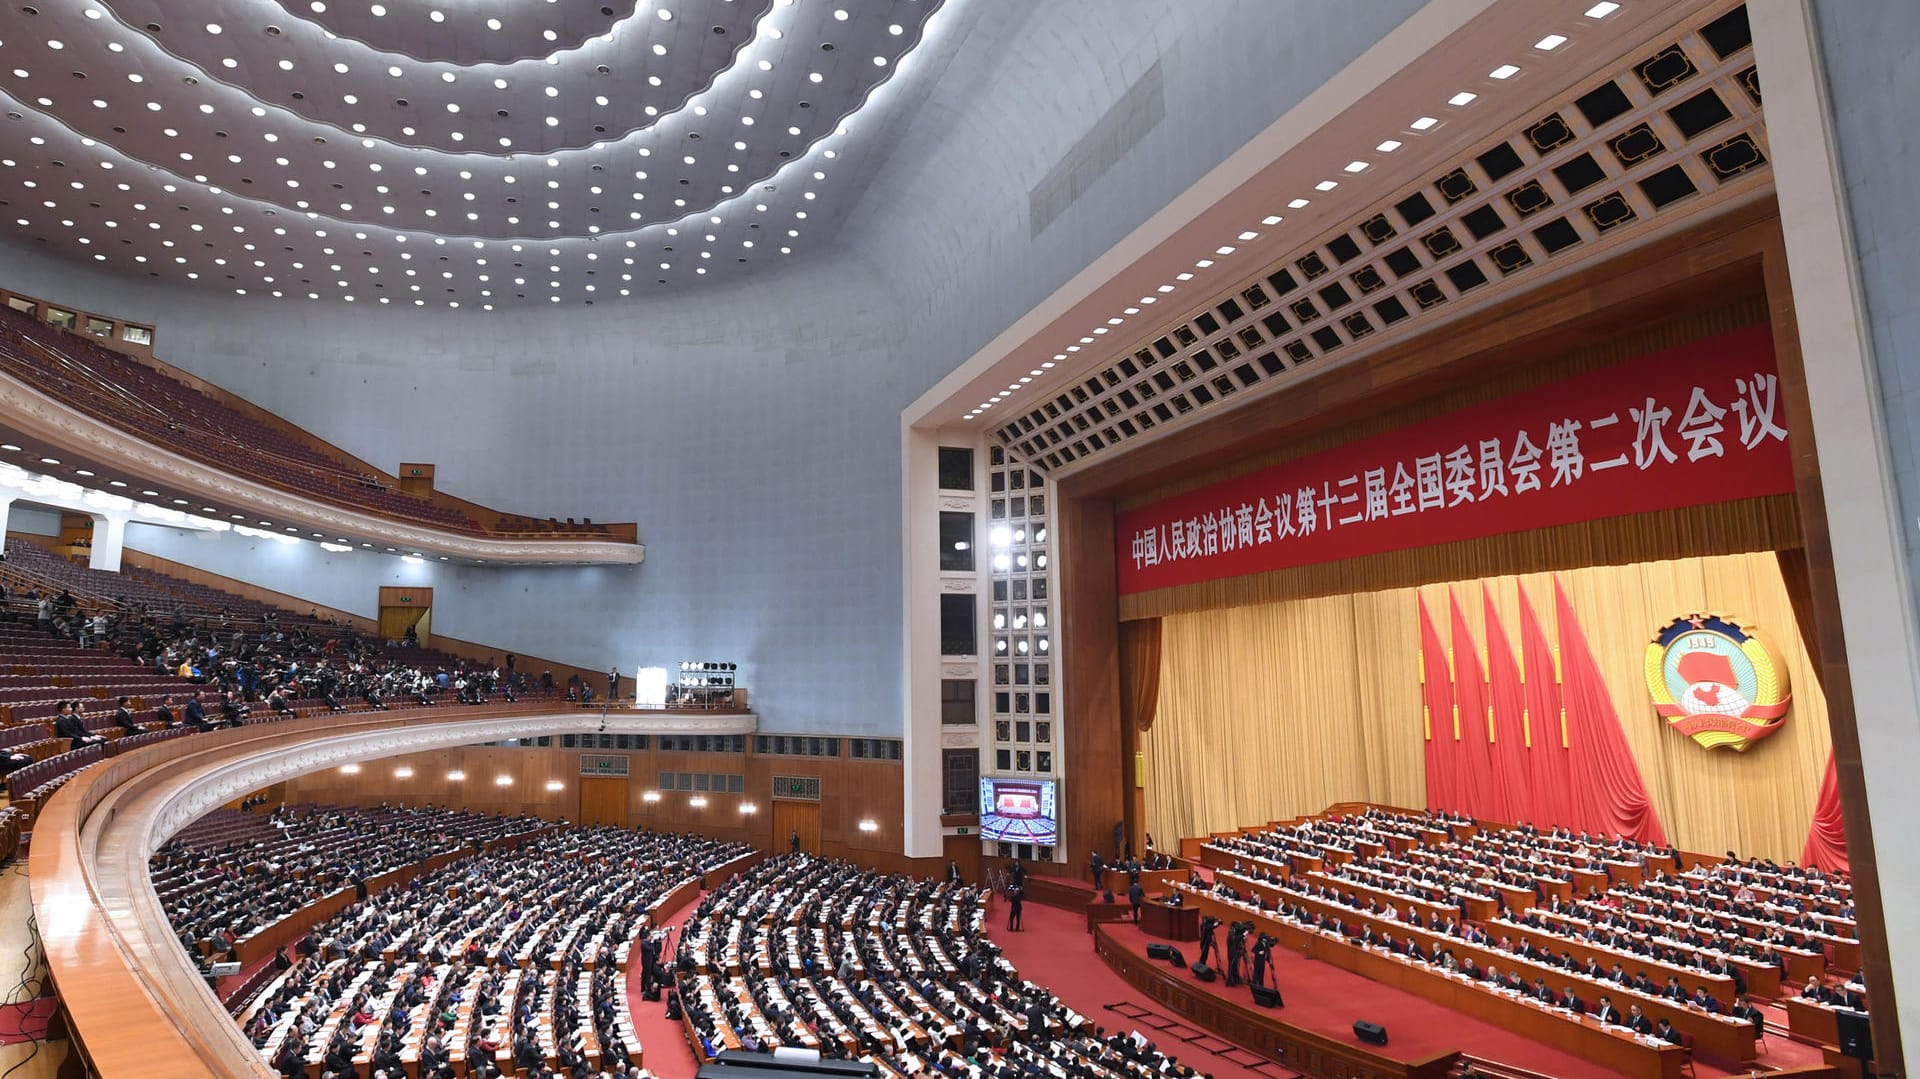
column 25, row 1022
column 1054, row 950
column 1057, row 951
column 663, row 1042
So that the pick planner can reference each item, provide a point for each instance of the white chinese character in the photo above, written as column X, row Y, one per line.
column 1245, row 520
column 1176, row 541
column 1306, row 511
column 1282, row 516
column 1401, row 493
column 1376, row 489
column 1328, row 500
column 1262, row 522
column 1427, row 478
column 1524, row 464
column 1224, row 522
column 1193, row 537
column 1460, row 475
column 1493, row 469
column 1563, row 452
column 1650, row 440
column 1140, row 549
column 1759, row 398
column 1701, row 426
column 1210, row 531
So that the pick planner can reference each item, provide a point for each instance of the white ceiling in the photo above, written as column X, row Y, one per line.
column 446, row 153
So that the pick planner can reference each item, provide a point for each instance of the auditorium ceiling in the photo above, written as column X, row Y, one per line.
column 449, row 153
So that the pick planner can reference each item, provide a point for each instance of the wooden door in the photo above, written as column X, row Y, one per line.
column 603, row 800
column 963, row 851
column 796, row 818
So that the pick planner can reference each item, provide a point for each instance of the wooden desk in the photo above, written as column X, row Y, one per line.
column 1730, row 1041
column 1719, row 987
column 1161, row 919
column 1584, row 1037
column 1810, row 1020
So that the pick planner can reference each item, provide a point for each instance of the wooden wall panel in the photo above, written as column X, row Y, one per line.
column 1093, row 793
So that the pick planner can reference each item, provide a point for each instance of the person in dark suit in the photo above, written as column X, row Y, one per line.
column 163, row 715
column 1571, row 1001
column 1665, row 1032
column 68, row 724
column 1016, row 899
column 1606, row 1012
column 1135, row 896
column 793, row 842
column 123, row 716
column 1673, row 990
column 1208, row 926
column 196, row 713
column 1704, row 1002
column 1637, row 1020
column 1744, row 1009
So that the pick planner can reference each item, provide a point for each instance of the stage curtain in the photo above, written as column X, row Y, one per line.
column 1278, row 710
column 1827, row 838
column 1798, row 581
column 1480, row 791
column 1506, row 699
column 1139, row 672
column 1436, row 705
column 1544, row 719
column 1609, row 795
column 1269, row 711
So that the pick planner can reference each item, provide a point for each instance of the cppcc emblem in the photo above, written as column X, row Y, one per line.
column 1716, row 682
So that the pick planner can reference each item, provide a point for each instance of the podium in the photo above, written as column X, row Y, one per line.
column 1158, row 918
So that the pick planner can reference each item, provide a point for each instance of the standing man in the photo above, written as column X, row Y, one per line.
column 1016, row 899
column 1135, row 894
column 793, row 842
column 613, row 683
column 1208, row 924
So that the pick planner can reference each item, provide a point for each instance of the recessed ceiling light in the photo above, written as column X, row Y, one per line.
column 1225, row 249
column 9, row 447
column 1388, row 146
column 1272, row 219
column 1357, row 166
column 49, row 460
column 1602, row 9
column 1464, row 97
column 1296, row 204
column 1504, row 71
column 1550, row 42
column 1423, row 123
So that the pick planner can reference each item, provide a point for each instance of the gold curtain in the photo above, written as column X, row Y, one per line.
column 1139, row 672
column 1272, row 710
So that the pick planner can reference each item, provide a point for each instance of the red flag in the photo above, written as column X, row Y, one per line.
column 1470, row 708
column 1609, row 794
column 1827, row 839
column 1545, row 731
column 1436, row 698
column 1508, row 701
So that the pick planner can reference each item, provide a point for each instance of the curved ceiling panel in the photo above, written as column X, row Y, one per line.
column 254, row 145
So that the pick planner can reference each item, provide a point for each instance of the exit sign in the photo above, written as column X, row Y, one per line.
column 960, row 831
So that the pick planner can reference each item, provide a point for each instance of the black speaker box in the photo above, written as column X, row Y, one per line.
column 1265, row 997
column 1174, row 956
column 1371, row 1033
column 1856, row 1034
column 1159, row 951
column 1204, row 972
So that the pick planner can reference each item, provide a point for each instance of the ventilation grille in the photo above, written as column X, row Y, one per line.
column 796, row 788
column 1680, row 125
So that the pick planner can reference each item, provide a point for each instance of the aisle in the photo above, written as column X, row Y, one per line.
column 663, row 1042
column 1054, row 950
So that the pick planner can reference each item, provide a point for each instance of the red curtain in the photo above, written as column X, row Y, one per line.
column 1609, row 795
column 1436, row 695
column 1512, row 765
column 1478, row 785
column 1827, row 839
column 1547, row 755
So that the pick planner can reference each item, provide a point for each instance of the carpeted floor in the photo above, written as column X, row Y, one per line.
column 663, row 1042
column 1327, row 1000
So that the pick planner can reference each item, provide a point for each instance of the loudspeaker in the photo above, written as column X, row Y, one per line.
column 1265, row 997
column 1174, row 956
column 1371, row 1033
column 1159, row 951
column 1856, row 1034
column 1204, row 972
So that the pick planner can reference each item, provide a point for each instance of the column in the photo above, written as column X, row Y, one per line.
column 920, row 643
column 109, row 536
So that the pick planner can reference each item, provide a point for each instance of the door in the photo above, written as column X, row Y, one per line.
column 603, row 800
column 963, row 851
column 796, row 818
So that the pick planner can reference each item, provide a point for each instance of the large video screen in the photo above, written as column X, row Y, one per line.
column 1019, row 811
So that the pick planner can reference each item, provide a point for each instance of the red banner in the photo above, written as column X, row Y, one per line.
column 1693, row 425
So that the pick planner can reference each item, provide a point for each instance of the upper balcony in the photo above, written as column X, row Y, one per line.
column 82, row 400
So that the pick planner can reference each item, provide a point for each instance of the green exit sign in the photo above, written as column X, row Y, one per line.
column 960, row 831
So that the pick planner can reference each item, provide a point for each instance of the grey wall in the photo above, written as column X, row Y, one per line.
column 33, row 520
column 1873, row 76
column 752, row 428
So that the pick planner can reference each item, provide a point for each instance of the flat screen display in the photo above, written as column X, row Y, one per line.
column 1019, row 811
